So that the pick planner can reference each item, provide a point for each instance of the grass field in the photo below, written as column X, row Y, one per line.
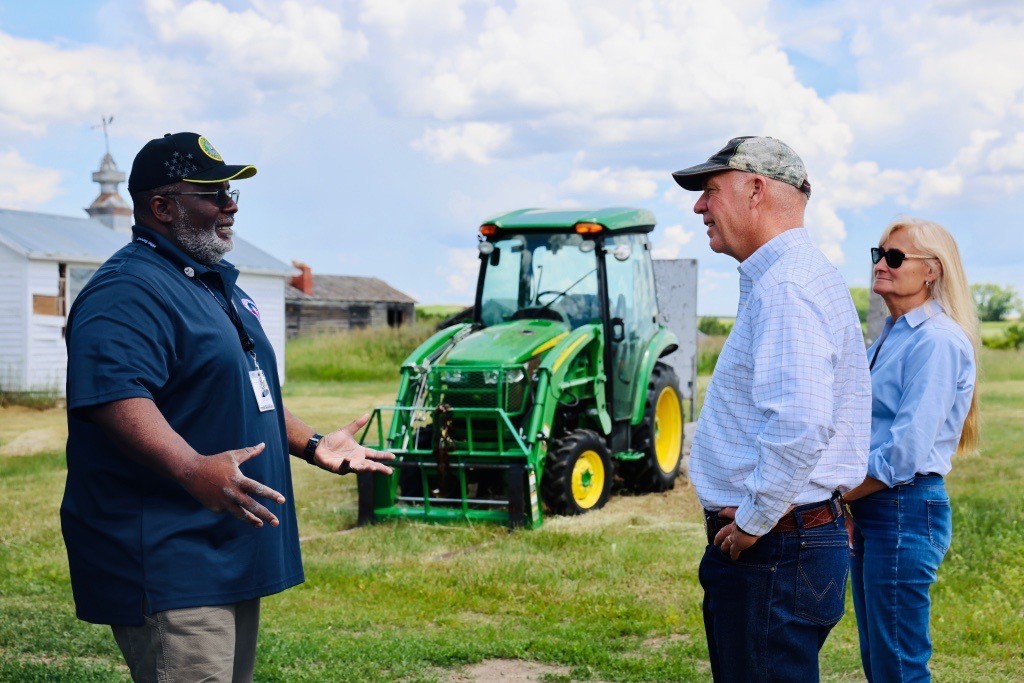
column 610, row 596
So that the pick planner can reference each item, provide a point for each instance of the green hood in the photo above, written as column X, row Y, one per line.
column 509, row 343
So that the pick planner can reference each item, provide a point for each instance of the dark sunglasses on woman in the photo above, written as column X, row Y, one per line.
column 894, row 258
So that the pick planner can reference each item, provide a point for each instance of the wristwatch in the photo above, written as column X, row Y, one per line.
column 310, row 450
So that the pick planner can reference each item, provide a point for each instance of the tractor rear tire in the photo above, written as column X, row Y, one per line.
column 577, row 473
column 659, row 436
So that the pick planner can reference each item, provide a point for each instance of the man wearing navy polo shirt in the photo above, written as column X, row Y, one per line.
column 175, row 418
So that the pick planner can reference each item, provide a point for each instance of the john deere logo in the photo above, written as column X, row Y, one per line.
column 208, row 149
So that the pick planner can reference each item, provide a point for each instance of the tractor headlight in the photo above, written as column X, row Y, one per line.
column 452, row 376
column 514, row 375
column 491, row 377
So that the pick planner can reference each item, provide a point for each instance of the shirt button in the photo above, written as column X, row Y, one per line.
column 189, row 272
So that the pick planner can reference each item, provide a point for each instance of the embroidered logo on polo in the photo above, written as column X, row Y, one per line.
column 180, row 165
column 250, row 306
column 208, row 149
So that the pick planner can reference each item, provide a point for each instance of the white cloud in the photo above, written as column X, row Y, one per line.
column 286, row 44
column 460, row 271
column 46, row 84
column 475, row 141
column 672, row 239
column 414, row 20
column 625, row 184
column 23, row 184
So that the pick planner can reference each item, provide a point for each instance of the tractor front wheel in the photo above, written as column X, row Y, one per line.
column 659, row 436
column 577, row 473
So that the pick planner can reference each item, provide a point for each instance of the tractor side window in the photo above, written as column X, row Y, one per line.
column 503, row 282
column 631, row 298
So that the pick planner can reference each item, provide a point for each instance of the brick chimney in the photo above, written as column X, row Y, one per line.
column 304, row 280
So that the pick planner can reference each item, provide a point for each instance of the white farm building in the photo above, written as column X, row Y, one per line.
column 45, row 260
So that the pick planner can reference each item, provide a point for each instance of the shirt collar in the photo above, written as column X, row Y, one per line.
column 760, row 261
column 928, row 309
column 182, row 261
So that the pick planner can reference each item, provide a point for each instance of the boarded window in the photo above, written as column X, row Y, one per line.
column 43, row 304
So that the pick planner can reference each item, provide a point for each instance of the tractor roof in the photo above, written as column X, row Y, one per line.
column 614, row 219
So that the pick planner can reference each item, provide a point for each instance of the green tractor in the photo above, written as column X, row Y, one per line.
column 553, row 393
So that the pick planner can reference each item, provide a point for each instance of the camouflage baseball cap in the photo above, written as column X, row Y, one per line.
column 764, row 156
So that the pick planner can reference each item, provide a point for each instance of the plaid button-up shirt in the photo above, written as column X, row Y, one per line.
column 787, row 416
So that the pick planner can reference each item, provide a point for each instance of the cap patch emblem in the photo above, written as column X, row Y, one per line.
column 250, row 306
column 208, row 149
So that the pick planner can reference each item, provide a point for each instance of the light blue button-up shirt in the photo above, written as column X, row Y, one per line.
column 922, row 383
column 786, row 417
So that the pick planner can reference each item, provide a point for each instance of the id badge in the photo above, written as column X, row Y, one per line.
column 262, row 390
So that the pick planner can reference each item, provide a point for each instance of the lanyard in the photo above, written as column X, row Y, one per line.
column 248, row 345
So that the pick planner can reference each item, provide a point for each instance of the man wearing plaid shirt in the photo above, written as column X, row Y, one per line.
column 785, row 425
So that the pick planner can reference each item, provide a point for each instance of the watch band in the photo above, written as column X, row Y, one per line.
column 310, row 450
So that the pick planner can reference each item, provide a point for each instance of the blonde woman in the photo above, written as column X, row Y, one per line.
column 924, row 410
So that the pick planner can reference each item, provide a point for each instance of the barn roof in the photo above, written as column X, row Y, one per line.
column 330, row 288
column 48, row 237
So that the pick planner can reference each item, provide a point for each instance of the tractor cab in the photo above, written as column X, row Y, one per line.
column 576, row 268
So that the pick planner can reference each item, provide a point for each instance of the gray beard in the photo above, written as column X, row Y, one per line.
column 202, row 244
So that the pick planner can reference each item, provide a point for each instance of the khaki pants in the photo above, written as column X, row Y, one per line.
column 215, row 644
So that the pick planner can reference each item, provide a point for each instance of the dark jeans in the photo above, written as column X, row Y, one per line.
column 901, row 537
column 767, row 614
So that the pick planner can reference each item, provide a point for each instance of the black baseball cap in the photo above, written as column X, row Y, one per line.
column 750, row 154
column 181, row 156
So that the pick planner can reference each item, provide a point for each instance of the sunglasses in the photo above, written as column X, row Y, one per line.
column 220, row 197
column 894, row 258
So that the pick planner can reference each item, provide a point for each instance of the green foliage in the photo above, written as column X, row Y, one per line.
column 37, row 400
column 433, row 314
column 1012, row 338
column 861, row 297
column 714, row 327
column 708, row 350
column 994, row 302
column 359, row 355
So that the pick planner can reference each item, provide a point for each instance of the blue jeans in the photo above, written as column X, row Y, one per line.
column 901, row 535
column 767, row 614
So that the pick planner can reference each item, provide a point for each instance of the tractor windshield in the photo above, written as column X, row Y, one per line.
column 550, row 276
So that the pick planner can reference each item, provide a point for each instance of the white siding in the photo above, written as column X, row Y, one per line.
column 15, row 305
column 268, row 293
column 47, row 356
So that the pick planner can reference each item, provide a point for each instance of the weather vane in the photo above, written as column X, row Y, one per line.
column 104, row 122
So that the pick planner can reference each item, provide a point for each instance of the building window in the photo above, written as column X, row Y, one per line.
column 395, row 317
column 77, row 276
column 358, row 317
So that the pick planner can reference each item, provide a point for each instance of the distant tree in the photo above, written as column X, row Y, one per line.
column 860, row 302
column 994, row 302
column 713, row 327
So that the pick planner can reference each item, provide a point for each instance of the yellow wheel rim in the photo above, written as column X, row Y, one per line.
column 668, row 430
column 588, row 479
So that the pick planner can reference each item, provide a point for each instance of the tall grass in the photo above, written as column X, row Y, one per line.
column 372, row 354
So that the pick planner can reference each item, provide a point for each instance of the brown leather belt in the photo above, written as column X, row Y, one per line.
column 819, row 514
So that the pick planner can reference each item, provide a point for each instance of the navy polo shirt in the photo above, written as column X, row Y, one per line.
column 153, row 323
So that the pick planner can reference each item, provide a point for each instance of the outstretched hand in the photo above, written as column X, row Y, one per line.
column 341, row 453
column 730, row 539
column 218, row 483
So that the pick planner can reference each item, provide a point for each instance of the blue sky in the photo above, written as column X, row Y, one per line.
column 385, row 131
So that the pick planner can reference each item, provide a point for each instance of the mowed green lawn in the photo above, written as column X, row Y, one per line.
column 610, row 596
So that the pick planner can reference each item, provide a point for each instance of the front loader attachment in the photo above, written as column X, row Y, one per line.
column 452, row 464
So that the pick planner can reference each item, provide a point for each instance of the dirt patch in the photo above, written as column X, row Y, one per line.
column 661, row 641
column 33, row 441
column 509, row 671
